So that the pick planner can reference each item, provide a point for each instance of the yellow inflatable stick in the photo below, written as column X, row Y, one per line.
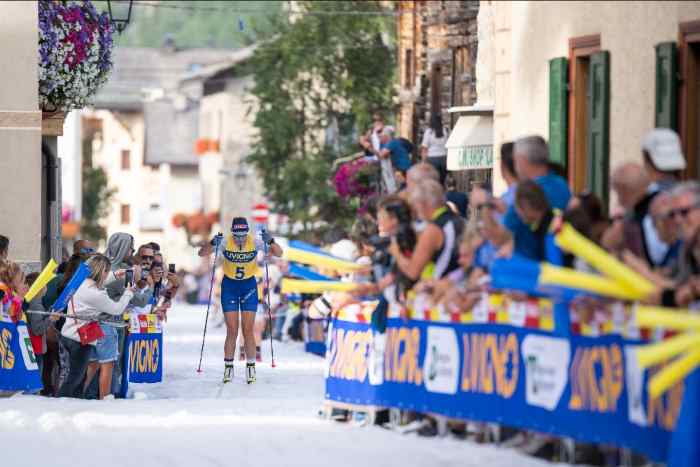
column 46, row 275
column 302, row 286
column 652, row 354
column 673, row 373
column 672, row 318
column 554, row 275
column 318, row 260
column 571, row 240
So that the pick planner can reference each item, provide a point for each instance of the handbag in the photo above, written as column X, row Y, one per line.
column 89, row 332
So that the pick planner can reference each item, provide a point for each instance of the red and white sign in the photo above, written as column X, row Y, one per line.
column 261, row 212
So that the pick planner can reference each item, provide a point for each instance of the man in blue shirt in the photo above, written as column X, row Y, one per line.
column 392, row 147
column 531, row 156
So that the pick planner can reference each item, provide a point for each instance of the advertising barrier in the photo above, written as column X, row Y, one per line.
column 145, row 344
column 315, row 337
column 19, row 370
column 501, row 363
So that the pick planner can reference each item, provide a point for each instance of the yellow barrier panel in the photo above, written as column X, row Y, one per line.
column 652, row 354
column 571, row 240
column 554, row 275
column 46, row 275
column 318, row 260
column 672, row 318
column 302, row 286
column 672, row 373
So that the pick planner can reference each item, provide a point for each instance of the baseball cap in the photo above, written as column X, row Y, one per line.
column 664, row 148
column 239, row 227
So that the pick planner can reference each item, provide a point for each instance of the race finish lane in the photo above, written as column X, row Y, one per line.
column 192, row 420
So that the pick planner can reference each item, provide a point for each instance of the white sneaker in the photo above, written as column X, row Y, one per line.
column 250, row 372
column 228, row 373
column 108, row 397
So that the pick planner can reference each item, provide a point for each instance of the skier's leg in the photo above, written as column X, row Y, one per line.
column 248, row 320
column 232, row 319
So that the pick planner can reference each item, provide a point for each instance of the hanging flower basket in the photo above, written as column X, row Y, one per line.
column 75, row 54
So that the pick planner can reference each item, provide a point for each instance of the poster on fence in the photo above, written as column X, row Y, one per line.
column 19, row 370
column 587, row 388
column 145, row 344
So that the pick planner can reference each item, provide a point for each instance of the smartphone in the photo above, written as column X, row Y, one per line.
column 171, row 268
column 129, row 277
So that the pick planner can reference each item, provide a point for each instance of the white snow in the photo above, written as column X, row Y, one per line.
column 192, row 420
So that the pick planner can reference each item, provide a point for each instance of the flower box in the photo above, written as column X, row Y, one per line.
column 52, row 123
column 75, row 55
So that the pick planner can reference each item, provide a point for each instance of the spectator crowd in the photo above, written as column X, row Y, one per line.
column 424, row 236
column 80, row 348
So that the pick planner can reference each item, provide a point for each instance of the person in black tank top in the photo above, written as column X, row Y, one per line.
column 436, row 253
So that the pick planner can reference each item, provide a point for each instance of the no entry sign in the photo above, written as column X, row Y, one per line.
column 261, row 212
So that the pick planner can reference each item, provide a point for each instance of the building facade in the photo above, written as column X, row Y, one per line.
column 21, row 164
column 593, row 78
column 437, row 52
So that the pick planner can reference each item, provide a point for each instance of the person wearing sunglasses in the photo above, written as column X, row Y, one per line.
column 239, row 288
column 686, row 275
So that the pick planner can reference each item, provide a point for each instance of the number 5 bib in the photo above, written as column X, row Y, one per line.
column 240, row 262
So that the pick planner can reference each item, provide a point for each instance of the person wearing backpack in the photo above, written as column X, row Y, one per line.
column 433, row 148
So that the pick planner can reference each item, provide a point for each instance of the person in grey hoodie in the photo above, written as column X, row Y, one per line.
column 120, row 251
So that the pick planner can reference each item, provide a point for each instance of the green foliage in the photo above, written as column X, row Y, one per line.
column 96, row 197
column 318, row 70
column 200, row 27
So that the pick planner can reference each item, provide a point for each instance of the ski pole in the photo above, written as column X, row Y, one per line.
column 269, row 309
column 206, row 318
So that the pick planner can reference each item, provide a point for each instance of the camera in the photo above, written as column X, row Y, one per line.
column 405, row 237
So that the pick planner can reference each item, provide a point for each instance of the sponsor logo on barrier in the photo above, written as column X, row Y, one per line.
column 25, row 346
column 401, row 363
column 7, row 357
column 441, row 361
column 376, row 359
column 664, row 411
column 596, row 376
column 490, row 364
column 634, row 377
column 145, row 355
column 546, row 365
column 348, row 354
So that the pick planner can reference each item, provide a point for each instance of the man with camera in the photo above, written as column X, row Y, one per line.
column 239, row 287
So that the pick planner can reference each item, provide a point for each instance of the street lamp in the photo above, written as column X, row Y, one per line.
column 121, row 14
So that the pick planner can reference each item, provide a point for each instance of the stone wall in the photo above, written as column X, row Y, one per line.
column 437, row 49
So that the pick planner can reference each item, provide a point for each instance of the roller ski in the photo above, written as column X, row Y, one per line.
column 228, row 371
column 250, row 373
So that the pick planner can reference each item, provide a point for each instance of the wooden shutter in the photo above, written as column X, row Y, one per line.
column 558, row 110
column 598, row 124
column 666, row 86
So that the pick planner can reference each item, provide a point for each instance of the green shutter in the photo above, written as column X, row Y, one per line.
column 558, row 110
column 598, row 124
column 666, row 85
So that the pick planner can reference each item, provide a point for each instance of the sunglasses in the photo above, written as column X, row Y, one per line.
column 87, row 251
column 683, row 212
column 147, row 257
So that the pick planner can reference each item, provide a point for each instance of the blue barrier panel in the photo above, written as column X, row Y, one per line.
column 145, row 344
column 587, row 388
column 19, row 370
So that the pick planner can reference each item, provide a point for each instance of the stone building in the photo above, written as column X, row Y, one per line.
column 437, row 47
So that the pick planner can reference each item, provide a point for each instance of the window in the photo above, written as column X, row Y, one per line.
column 125, row 214
column 579, row 115
column 689, row 122
column 408, row 69
column 580, row 51
column 126, row 159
